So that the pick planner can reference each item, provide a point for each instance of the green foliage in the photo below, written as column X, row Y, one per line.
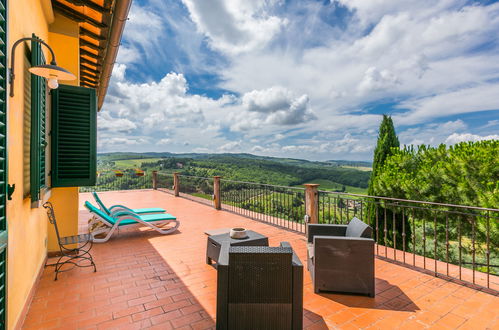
column 464, row 174
column 262, row 170
column 387, row 139
column 386, row 145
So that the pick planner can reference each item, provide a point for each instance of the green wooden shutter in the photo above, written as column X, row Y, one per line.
column 4, row 191
column 74, row 136
column 38, row 145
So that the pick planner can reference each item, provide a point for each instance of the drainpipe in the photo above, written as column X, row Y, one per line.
column 120, row 16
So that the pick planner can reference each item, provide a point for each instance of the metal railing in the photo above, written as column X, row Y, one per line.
column 454, row 241
column 277, row 205
column 126, row 180
column 164, row 181
column 197, row 188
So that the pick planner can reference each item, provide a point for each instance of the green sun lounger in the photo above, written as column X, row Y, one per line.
column 109, row 223
column 121, row 208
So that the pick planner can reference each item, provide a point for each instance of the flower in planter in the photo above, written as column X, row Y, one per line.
column 139, row 172
column 118, row 173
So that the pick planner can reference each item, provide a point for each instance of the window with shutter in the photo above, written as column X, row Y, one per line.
column 74, row 136
column 38, row 101
column 3, row 163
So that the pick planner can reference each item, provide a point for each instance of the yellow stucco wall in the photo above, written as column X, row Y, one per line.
column 63, row 38
column 27, row 226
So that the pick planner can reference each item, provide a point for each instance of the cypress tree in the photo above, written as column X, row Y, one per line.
column 387, row 139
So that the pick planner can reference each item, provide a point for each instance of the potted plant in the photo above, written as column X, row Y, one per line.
column 118, row 173
column 139, row 172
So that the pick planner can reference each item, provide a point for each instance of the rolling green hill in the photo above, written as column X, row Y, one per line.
column 349, row 176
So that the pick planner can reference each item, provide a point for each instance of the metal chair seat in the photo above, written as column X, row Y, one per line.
column 68, row 240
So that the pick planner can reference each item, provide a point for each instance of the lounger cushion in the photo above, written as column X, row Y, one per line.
column 157, row 217
column 102, row 206
column 149, row 210
column 149, row 218
column 138, row 211
column 146, row 218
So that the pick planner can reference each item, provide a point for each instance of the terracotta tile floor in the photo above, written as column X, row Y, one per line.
column 146, row 280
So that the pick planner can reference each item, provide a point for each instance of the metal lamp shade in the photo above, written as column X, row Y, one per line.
column 52, row 71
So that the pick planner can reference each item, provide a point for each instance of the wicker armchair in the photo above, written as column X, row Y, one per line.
column 259, row 287
column 341, row 257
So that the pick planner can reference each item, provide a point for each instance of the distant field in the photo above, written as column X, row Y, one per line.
column 133, row 163
column 360, row 168
column 330, row 185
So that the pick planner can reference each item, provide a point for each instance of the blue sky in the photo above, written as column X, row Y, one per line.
column 302, row 79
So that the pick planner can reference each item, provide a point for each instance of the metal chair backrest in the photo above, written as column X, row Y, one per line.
column 51, row 215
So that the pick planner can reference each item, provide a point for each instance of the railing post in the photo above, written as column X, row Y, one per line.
column 155, row 180
column 176, row 184
column 216, row 193
column 312, row 202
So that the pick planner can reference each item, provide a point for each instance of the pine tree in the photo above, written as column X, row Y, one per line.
column 387, row 139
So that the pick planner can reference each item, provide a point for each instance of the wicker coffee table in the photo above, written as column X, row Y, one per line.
column 215, row 243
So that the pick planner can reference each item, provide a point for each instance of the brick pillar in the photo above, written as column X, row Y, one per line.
column 312, row 202
column 155, row 180
column 216, row 193
column 176, row 184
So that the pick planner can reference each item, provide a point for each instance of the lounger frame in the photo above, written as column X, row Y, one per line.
column 122, row 216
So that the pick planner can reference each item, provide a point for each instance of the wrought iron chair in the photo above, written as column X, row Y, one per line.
column 72, row 255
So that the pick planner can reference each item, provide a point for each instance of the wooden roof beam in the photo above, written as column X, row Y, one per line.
column 92, row 35
column 86, row 61
column 88, row 75
column 85, row 67
column 89, row 4
column 90, row 54
column 77, row 16
column 90, row 45
column 88, row 81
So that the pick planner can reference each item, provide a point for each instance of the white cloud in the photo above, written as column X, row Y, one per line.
column 109, row 143
column 273, row 106
column 128, row 55
column 164, row 142
column 431, row 134
column 143, row 30
column 108, row 123
column 426, row 60
column 235, row 26
column 409, row 54
column 233, row 146
column 456, row 138
column 375, row 79
column 465, row 100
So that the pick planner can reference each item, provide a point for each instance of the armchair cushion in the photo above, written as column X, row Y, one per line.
column 357, row 228
column 325, row 230
column 310, row 248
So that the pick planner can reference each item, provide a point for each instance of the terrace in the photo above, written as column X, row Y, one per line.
column 145, row 279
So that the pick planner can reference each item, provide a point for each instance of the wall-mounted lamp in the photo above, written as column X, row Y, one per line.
column 50, row 71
